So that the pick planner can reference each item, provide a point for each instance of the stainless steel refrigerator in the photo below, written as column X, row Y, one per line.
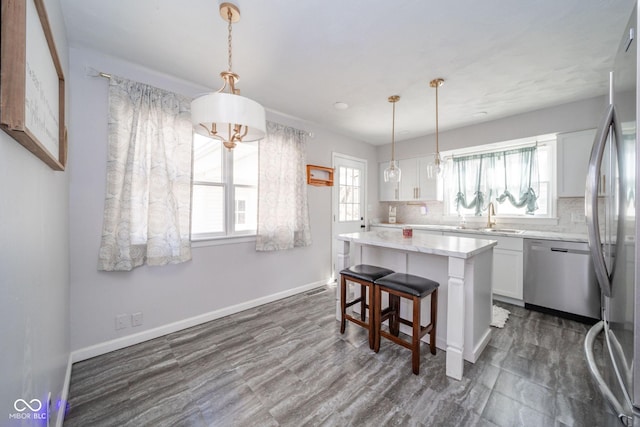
column 612, row 346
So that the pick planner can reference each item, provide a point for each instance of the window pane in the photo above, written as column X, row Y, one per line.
column 207, row 209
column 245, row 163
column 356, row 212
column 246, row 208
column 207, row 159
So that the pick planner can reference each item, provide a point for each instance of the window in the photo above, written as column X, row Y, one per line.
column 350, row 186
column 517, row 176
column 225, row 189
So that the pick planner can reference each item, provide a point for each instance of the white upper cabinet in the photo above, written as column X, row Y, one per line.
column 574, row 149
column 410, row 179
column 415, row 183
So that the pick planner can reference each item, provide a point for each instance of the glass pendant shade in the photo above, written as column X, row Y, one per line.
column 392, row 173
column 434, row 168
column 223, row 111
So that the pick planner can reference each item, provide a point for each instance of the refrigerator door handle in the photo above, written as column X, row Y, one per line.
column 608, row 121
column 625, row 418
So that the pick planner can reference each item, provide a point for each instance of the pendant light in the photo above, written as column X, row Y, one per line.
column 227, row 116
column 436, row 168
column 393, row 172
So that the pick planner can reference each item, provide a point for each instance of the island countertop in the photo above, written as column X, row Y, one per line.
column 458, row 247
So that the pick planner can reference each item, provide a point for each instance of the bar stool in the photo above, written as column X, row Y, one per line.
column 413, row 288
column 365, row 275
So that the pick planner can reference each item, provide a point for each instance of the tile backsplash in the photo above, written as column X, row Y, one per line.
column 570, row 216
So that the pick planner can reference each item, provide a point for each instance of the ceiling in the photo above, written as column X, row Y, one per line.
column 299, row 57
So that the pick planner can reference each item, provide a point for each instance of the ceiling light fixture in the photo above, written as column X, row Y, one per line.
column 393, row 172
column 227, row 116
column 436, row 83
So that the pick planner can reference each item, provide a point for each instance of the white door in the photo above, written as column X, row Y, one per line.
column 348, row 198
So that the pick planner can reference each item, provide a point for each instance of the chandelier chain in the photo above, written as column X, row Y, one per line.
column 229, row 16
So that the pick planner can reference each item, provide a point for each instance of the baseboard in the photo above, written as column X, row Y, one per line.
column 509, row 300
column 61, row 405
column 482, row 344
column 119, row 343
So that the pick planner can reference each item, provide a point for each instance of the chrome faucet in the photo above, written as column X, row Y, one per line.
column 491, row 209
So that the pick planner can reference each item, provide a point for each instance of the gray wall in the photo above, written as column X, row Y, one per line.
column 563, row 118
column 34, row 267
column 218, row 276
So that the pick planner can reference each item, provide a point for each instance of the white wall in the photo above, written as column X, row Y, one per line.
column 34, row 267
column 218, row 276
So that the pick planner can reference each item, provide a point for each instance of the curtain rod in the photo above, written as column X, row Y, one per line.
column 90, row 71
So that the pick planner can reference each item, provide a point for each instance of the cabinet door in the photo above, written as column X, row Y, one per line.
column 574, row 149
column 387, row 191
column 507, row 273
column 409, row 187
column 427, row 185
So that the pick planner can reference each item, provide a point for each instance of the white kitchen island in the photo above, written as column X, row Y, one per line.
column 461, row 265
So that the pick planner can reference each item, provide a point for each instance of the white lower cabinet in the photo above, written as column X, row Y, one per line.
column 507, row 273
column 508, row 264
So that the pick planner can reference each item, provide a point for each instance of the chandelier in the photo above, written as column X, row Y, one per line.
column 437, row 166
column 225, row 115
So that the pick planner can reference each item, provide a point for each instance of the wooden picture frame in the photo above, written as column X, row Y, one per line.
column 32, row 89
column 320, row 176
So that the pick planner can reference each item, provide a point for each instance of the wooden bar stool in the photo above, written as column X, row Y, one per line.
column 413, row 288
column 365, row 275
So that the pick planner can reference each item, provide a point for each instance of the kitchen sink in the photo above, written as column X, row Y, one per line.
column 502, row 230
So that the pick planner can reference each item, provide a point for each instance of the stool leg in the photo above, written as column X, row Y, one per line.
column 394, row 320
column 415, row 351
column 377, row 309
column 434, row 317
column 372, row 330
column 343, row 303
column 363, row 302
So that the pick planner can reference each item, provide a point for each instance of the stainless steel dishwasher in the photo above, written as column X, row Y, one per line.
column 559, row 277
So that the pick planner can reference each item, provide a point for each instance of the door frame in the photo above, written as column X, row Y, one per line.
column 335, row 193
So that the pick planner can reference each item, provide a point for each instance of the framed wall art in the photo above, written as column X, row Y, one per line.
column 32, row 89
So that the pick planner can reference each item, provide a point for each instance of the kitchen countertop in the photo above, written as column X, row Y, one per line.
column 526, row 234
column 457, row 247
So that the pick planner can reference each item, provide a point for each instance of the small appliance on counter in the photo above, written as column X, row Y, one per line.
column 392, row 214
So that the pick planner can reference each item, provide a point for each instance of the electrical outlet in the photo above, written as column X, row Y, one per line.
column 122, row 321
column 136, row 319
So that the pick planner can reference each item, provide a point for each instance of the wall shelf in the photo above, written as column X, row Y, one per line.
column 319, row 176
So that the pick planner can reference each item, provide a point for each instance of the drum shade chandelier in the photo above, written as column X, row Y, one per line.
column 393, row 173
column 225, row 115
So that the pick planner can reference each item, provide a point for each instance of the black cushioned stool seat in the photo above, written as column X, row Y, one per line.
column 365, row 275
column 414, row 288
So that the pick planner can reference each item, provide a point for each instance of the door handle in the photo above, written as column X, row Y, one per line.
column 609, row 123
column 595, row 373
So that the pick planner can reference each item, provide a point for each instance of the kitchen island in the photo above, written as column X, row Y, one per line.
column 461, row 265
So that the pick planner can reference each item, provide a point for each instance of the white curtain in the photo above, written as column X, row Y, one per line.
column 283, row 212
column 148, row 196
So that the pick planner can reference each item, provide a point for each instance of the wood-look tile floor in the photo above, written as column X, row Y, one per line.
column 286, row 363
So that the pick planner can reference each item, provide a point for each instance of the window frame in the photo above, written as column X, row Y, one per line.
column 229, row 212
